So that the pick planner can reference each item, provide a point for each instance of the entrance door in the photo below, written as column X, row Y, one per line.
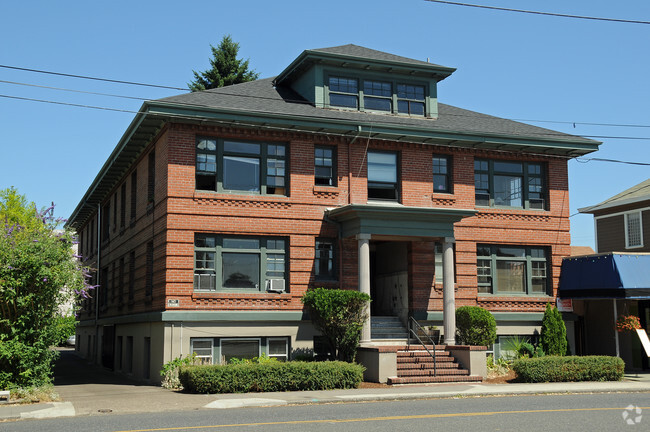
column 108, row 346
column 389, row 279
column 644, row 315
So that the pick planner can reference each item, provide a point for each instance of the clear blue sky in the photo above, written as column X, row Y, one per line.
column 509, row 65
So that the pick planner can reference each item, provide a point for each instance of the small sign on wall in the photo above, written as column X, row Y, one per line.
column 565, row 305
column 173, row 303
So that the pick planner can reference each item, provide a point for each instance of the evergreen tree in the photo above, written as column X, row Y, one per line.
column 553, row 336
column 226, row 69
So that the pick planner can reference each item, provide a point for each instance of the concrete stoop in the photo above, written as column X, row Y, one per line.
column 415, row 366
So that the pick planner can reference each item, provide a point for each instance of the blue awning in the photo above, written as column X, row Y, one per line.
column 606, row 276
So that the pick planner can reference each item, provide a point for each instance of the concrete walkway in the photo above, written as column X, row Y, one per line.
column 90, row 390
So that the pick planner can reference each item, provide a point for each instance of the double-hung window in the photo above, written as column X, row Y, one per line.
column 633, row 230
column 410, row 99
column 230, row 263
column 343, row 92
column 382, row 176
column 325, row 165
column 238, row 166
column 441, row 174
column 512, row 270
column 509, row 184
column 324, row 260
column 377, row 96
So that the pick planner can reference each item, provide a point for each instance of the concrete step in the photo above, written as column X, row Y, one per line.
column 427, row 366
column 429, row 372
column 435, row 379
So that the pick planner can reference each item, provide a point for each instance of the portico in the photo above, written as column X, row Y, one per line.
column 386, row 226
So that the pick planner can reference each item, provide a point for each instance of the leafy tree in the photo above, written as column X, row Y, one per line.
column 475, row 326
column 38, row 272
column 339, row 315
column 226, row 69
column 553, row 335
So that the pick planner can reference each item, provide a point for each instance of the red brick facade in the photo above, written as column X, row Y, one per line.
column 178, row 211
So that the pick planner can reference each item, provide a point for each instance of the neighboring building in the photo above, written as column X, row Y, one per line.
column 218, row 209
column 615, row 280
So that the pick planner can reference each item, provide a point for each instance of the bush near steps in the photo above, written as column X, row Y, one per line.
column 271, row 377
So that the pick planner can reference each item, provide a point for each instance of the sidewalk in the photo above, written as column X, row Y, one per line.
column 90, row 390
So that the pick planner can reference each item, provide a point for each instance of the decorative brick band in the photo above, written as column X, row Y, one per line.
column 513, row 217
column 446, row 202
column 242, row 203
column 511, row 304
column 237, row 303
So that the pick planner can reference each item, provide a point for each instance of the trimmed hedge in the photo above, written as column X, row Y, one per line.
column 271, row 377
column 569, row 368
column 475, row 326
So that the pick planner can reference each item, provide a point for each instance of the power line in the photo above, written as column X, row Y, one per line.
column 224, row 93
column 541, row 13
column 73, row 90
column 92, row 78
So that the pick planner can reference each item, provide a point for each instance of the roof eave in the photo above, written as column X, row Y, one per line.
column 440, row 72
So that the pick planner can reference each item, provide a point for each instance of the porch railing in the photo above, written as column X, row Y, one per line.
column 415, row 329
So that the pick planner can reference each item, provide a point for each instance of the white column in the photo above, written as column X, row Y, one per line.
column 364, row 280
column 448, row 295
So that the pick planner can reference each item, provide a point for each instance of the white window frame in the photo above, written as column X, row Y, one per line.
column 211, row 340
column 286, row 347
column 627, row 229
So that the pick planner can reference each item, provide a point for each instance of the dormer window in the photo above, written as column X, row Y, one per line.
column 410, row 99
column 389, row 96
column 344, row 92
column 377, row 96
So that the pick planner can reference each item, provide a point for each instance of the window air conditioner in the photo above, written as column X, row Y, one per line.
column 275, row 285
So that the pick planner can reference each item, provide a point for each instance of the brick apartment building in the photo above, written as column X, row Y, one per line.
column 218, row 209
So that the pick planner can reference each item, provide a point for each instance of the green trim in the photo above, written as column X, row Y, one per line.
column 201, row 316
column 397, row 220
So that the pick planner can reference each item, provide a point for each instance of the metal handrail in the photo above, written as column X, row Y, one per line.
column 414, row 326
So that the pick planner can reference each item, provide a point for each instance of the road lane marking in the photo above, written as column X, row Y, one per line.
column 370, row 419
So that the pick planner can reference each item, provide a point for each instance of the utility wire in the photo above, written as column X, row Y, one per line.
column 585, row 160
column 72, row 90
column 541, row 13
column 91, row 78
column 299, row 101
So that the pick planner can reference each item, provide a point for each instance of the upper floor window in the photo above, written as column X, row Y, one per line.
column 382, row 176
column 343, row 92
column 512, row 270
column 239, row 263
column 325, row 165
column 377, row 95
column 324, row 260
column 633, row 230
column 410, row 99
column 441, row 174
column 510, row 184
column 224, row 165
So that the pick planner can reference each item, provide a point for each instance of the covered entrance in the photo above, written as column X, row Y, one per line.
column 384, row 234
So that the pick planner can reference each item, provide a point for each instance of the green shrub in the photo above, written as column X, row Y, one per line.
column 475, row 326
column 569, row 368
column 271, row 377
column 339, row 315
column 553, row 336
